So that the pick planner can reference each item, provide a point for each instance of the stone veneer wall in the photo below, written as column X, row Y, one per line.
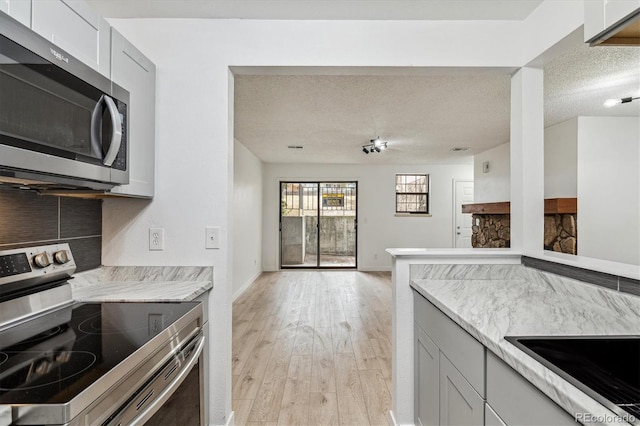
column 560, row 233
column 491, row 230
column 494, row 231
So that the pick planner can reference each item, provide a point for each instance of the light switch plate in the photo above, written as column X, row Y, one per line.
column 212, row 237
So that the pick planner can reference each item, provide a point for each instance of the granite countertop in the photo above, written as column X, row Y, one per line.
column 141, row 284
column 537, row 304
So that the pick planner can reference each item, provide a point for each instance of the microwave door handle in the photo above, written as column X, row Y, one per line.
column 116, row 136
column 96, row 121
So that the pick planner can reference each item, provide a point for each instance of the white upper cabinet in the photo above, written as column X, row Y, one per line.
column 607, row 17
column 75, row 27
column 19, row 10
column 131, row 70
column 617, row 10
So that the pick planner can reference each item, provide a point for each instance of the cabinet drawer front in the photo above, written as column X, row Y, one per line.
column 460, row 404
column 517, row 401
column 465, row 352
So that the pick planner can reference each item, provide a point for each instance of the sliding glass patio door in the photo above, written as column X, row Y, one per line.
column 318, row 224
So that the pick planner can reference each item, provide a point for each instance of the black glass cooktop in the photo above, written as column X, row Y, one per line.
column 607, row 368
column 53, row 358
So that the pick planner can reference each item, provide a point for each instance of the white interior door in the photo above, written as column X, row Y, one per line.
column 462, row 223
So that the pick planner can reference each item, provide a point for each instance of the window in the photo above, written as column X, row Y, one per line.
column 412, row 194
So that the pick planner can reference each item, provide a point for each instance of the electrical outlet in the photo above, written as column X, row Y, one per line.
column 156, row 324
column 156, row 238
column 212, row 237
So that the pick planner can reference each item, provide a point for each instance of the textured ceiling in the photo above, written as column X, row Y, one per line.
column 422, row 116
column 578, row 82
column 319, row 9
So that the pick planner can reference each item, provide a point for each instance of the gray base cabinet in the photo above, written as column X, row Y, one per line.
column 137, row 74
column 459, row 382
column 449, row 369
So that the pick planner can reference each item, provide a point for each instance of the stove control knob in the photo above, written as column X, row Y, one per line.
column 61, row 257
column 42, row 260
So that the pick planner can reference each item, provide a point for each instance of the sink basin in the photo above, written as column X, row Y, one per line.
column 607, row 368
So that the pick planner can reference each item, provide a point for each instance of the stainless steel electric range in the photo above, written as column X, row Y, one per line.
column 85, row 363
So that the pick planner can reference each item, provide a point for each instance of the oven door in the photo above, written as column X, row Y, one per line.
column 148, row 401
column 52, row 121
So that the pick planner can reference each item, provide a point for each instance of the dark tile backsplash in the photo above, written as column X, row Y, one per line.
column 29, row 219
column 629, row 285
column 614, row 282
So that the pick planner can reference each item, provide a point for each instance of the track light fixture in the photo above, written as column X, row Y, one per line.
column 613, row 102
column 375, row 145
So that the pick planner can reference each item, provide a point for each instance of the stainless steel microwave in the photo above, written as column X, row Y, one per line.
column 61, row 122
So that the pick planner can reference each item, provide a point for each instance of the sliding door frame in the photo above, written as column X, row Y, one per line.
column 318, row 253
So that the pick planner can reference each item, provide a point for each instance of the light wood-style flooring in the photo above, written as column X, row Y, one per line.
column 313, row 348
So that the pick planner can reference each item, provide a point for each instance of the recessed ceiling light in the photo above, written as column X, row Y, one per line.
column 460, row 148
column 295, row 147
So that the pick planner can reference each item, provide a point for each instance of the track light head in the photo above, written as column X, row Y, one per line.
column 376, row 145
column 609, row 103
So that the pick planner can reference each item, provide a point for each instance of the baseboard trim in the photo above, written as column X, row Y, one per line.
column 245, row 286
column 391, row 418
column 374, row 269
column 231, row 419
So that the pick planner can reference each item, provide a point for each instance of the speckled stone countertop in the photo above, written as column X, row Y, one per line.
column 141, row 284
column 519, row 301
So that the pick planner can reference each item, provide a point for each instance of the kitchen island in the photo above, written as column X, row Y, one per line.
column 493, row 297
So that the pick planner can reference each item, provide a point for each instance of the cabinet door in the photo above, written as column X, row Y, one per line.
column 460, row 404
column 491, row 418
column 131, row 70
column 617, row 10
column 75, row 27
column 427, row 379
column 19, row 10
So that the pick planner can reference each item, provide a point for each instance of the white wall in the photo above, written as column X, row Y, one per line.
column 561, row 160
column 495, row 186
column 247, row 225
column 194, row 124
column 609, row 188
column 378, row 227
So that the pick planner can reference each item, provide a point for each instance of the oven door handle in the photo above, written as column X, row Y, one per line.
column 171, row 388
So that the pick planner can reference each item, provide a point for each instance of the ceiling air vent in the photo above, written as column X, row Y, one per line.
column 460, row 148
column 295, row 146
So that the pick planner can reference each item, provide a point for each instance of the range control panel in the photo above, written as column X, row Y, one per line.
column 43, row 262
column 13, row 264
